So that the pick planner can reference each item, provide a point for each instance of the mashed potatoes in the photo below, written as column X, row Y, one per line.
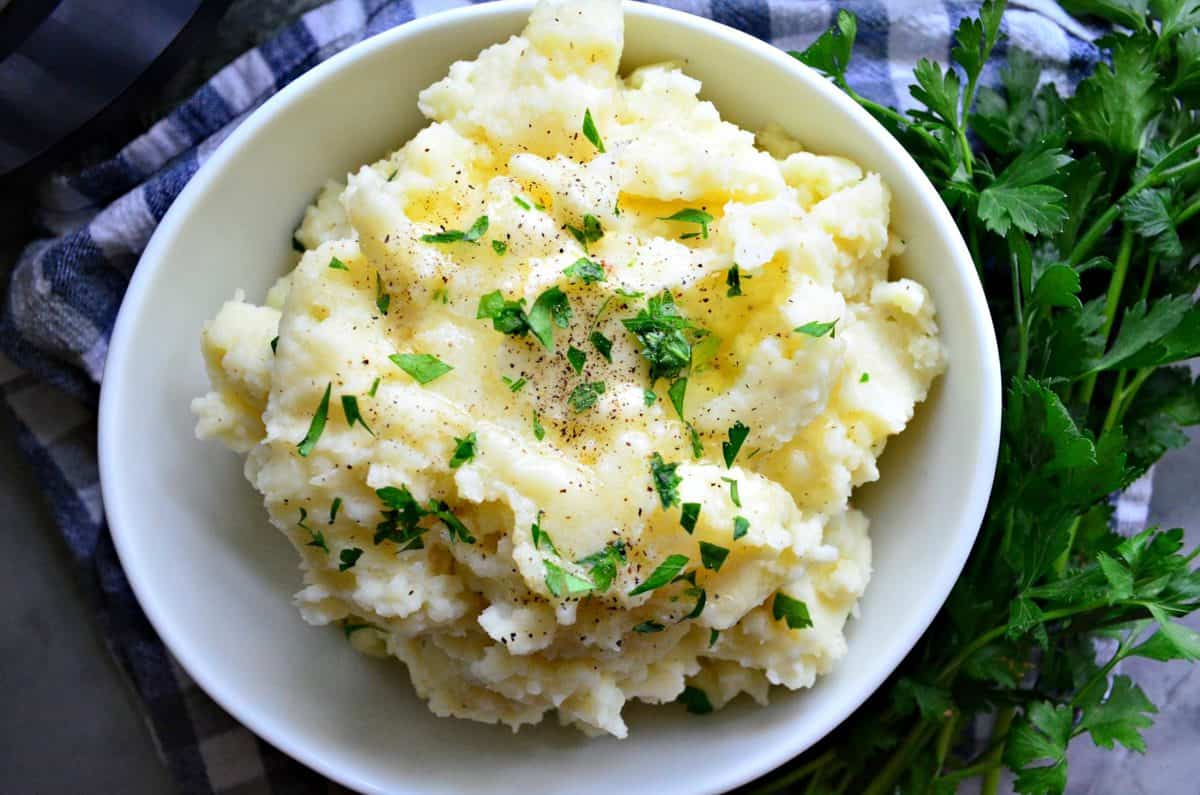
column 564, row 404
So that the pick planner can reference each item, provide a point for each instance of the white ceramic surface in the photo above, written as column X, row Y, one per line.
column 216, row 580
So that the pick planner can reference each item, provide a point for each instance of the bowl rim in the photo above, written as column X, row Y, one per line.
column 770, row 756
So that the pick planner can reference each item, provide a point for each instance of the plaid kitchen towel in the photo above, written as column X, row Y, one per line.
column 66, row 289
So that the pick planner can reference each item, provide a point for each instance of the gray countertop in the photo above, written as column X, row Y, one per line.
column 70, row 723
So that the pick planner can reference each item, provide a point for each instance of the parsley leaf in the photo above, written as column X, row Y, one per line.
column 513, row 385
column 602, row 566
column 585, row 395
column 337, row 265
column 817, row 329
column 563, row 583
column 589, row 131
column 695, row 700
column 454, row 527
column 676, row 393
column 1017, row 198
column 665, row 574
column 590, row 233
column 374, row 387
column 317, row 426
column 793, row 611
column 586, row 270
column 538, row 431
column 713, row 556
column 508, row 317
column 661, row 331
column 648, row 626
column 666, row 482
column 472, row 235
column 692, row 216
column 401, row 517
column 274, row 344
column 737, row 437
column 551, row 307
column 348, row 558
column 500, row 247
column 733, row 278
column 602, row 343
column 524, row 205
column 464, row 450
column 423, row 367
column 334, row 507
column 576, row 358
column 1041, row 737
column 689, row 515
column 733, row 491
column 741, row 526
column 350, row 409
column 648, row 397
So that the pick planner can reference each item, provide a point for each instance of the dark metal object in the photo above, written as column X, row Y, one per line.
column 68, row 67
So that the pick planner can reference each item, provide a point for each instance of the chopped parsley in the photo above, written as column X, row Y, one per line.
column 689, row 514
column 733, row 491
column 349, row 627
column 513, row 385
column 442, row 295
column 712, row 555
column 663, row 575
column 374, row 387
column 472, row 235
column 695, row 700
column 577, row 358
column 564, row 583
column 421, row 366
column 741, row 526
column 648, row 397
column 647, row 627
column 697, row 445
column 334, row 508
column 350, row 409
column 586, row 270
column 274, row 344
column 297, row 246
column 348, row 558
column 692, row 216
column 590, row 233
column 337, row 265
column 392, row 176
column 584, row 396
column 666, row 482
column 500, row 247
column 602, row 565
column 382, row 299
column 737, row 437
column 508, row 317
column 793, row 611
column 676, row 393
column 401, row 515
column 538, row 431
column 464, row 450
column 550, row 307
column 733, row 278
column 318, row 538
column 317, row 426
column 589, row 131
column 864, row 378
column 541, row 539
column 602, row 343
column 524, row 205
column 661, row 331
column 817, row 329
column 454, row 527
column 712, row 637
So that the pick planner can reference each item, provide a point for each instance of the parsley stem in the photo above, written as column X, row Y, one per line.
column 1187, row 212
column 900, row 760
column 793, row 776
column 1111, row 301
column 977, row 769
column 991, row 779
column 1018, row 308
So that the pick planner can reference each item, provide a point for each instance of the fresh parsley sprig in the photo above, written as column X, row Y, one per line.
column 1080, row 214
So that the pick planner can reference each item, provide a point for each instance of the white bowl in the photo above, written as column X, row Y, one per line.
column 216, row 580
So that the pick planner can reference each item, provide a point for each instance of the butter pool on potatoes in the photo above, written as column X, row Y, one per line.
column 479, row 624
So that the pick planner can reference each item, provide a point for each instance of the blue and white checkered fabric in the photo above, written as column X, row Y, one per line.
column 66, row 290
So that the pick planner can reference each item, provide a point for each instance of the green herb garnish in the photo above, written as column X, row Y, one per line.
column 648, row 397
column 864, row 378
column 817, row 329
column 576, row 358
column 374, row 387
column 274, row 344
column 733, row 491
column 401, row 517
column 421, row 366
column 695, row 700
column 692, row 216
column 737, row 437
column 334, row 507
column 647, row 627
column 676, row 393
column 382, row 299
column 337, row 265
column 741, row 526
column 539, row 432
column 602, row 343
column 689, row 515
column 472, row 235
column 589, row 131
column 793, row 611
column 454, row 527
column 524, row 205
column 602, row 566
column 550, row 309
column 590, row 233
column 712, row 556
column 584, row 396
column 733, row 278
column 666, row 482
column 317, row 426
column 348, row 558
column 563, row 583
column 500, row 247
column 464, row 450
column 350, row 409
column 663, row 575
column 713, row 634
column 586, row 271
column 662, row 332
column 513, row 385
column 541, row 539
